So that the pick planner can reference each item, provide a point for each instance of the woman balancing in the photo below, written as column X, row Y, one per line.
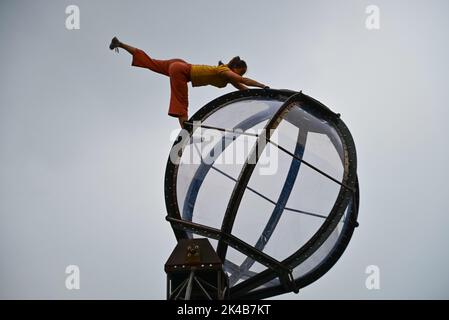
column 181, row 72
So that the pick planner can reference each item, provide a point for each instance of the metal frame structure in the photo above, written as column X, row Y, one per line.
column 347, row 199
column 194, row 271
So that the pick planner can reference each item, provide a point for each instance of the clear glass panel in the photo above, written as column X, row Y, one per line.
column 231, row 160
column 307, row 195
column 234, row 258
column 323, row 251
column 318, row 257
column 284, row 207
column 206, row 214
column 238, row 114
column 309, row 123
column 252, row 217
column 212, row 159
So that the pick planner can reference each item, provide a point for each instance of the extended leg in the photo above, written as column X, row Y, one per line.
column 141, row 59
column 128, row 48
column 115, row 43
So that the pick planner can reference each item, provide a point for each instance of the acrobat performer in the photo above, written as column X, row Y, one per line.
column 181, row 72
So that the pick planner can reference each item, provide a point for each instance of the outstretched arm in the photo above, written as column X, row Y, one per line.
column 240, row 82
column 239, row 86
column 253, row 83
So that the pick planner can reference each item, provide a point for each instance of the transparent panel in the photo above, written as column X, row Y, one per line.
column 231, row 160
column 309, row 123
column 287, row 201
column 212, row 159
column 233, row 258
column 318, row 257
column 206, row 214
column 238, row 114
column 251, row 218
column 323, row 251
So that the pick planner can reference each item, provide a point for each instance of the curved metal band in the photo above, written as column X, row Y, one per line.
column 246, row 172
column 279, row 207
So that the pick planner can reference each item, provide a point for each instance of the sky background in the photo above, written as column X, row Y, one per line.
column 84, row 138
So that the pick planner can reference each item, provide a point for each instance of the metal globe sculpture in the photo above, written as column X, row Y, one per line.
column 269, row 178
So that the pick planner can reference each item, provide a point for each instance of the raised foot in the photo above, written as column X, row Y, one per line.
column 114, row 44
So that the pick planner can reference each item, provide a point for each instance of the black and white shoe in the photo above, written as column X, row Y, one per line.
column 114, row 44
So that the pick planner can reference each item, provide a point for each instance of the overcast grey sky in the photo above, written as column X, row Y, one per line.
column 84, row 138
